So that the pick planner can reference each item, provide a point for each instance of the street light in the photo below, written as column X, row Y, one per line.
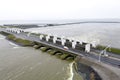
column 103, row 52
column 100, row 56
column 28, row 34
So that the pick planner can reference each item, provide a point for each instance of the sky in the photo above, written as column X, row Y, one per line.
column 58, row 9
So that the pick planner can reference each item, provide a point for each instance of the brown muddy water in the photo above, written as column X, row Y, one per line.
column 26, row 63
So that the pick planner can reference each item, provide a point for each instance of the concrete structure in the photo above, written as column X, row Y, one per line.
column 41, row 36
column 80, row 42
column 63, row 41
column 87, row 48
column 54, row 39
column 15, row 30
column 47, row 37
column 73, row 44
column 93, row 44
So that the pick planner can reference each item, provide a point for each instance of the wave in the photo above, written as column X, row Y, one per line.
column 70, row 73
column 2, row 38
column 13, row 44
column 16, row 47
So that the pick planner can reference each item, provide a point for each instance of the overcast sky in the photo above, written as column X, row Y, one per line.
column 58, row 9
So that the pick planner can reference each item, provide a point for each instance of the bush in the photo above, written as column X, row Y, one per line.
column 11, row 37
column 4, row 33
column 112, row 50
column 20, row 41
column 115, row 50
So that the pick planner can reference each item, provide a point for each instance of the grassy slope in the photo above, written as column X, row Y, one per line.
column 23, row 42
column 112, row 50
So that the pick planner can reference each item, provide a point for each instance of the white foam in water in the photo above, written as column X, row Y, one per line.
column 71, row 74
column 15, row 46
column 12, row 44
column 2, row 37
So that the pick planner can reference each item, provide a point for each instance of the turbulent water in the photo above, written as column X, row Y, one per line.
column 26, row 63
column 100, row 33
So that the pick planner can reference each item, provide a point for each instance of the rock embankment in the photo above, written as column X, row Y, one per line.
column 105, row 71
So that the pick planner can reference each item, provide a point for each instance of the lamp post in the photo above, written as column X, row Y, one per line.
column 100, row 56
column 28, row 34
column 103, row 52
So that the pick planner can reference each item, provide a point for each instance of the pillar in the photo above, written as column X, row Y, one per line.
column 80, row 42
column 18, row 31
column 70, row 39
column 54, row 39
column 41, row 36
column 87, row 48
column 63, row 41
column 94, row 44
column 73, row 44
column 15, row 30
column 47, row 38
column 11, row 30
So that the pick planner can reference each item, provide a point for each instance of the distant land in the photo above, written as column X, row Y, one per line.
column 56, row 21
column 46, row 23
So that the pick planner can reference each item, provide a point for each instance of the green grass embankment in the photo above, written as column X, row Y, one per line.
column 112, row 50
column 20, row 41
column 4, row 33
column 0, row 26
